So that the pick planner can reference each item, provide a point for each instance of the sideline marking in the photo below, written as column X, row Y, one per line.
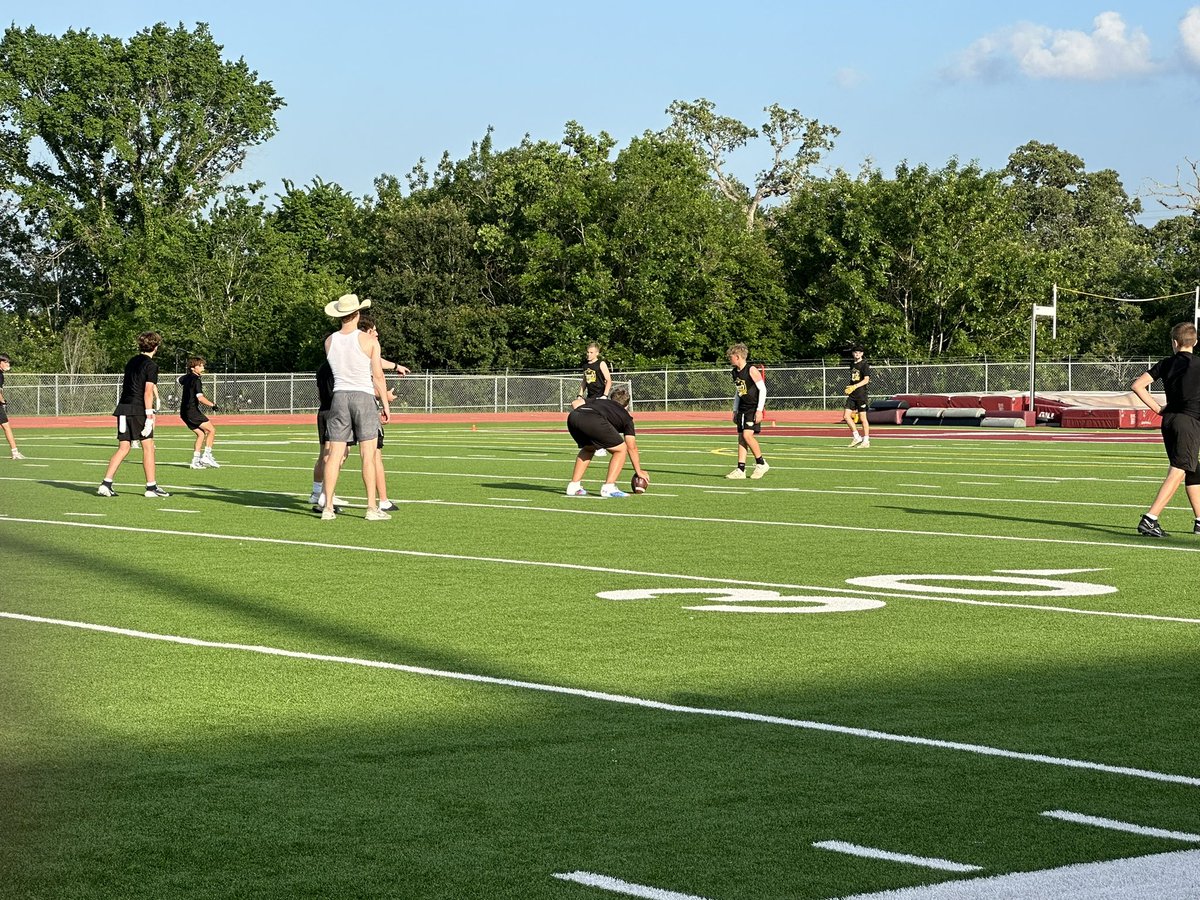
column 1115, row 825
column 929, row 862
column 735, row 714
column 90, row 515
column 511, row 499
column 617, row 886
column 579, row 567
column 171, row 510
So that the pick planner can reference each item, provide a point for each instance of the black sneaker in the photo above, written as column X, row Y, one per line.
column 1196, row 527
column 1150, row 528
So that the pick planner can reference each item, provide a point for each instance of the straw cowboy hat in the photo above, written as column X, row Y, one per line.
column 345, row 305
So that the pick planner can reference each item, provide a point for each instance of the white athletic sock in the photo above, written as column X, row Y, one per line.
column 195, row 455
column 318, row 487
column 1150, row 517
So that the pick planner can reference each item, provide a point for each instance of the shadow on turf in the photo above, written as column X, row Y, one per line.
column 283, row 502
column 1116, row 531
column 519, row 486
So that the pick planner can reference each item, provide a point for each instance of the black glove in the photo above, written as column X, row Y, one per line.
column 215, row 408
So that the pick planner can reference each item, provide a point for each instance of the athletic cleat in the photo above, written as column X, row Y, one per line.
column 607, row 491
column 17, row 454
column 575, row 490
column 1150, row 528
column 136, row 445
column 736, row 475
column 327, row 515
column 210, row 462
column 387, row 506
column 105, row 491
column 760, row 470
column 856, row 440
column 377, row 515
column 865, row 444
column 601, row 452
column 197, row 464
column 1196, row 527
column 337, row 501
column 156, row 491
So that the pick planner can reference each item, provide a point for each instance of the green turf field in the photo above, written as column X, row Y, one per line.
column 217, row 695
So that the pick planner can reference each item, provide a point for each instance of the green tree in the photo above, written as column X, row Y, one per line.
column 111, row 140
column 714, row 137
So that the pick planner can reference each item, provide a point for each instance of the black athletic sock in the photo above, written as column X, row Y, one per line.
column 742, row 466
column 758, row 460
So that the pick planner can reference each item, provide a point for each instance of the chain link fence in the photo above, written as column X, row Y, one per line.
column 812, row 386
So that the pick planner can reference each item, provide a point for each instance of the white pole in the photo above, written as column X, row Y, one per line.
column 1196, row 309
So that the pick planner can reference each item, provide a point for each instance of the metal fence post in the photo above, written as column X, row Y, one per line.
column 666, row 389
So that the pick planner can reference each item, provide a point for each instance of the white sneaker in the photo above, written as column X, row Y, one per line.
column 575, row 489
column 210, row 462
column 387, row 506
column 197, row 464
column 865, row 443
column 105, row 491
column 328, row 515
column 337, row 501
column 611, row 490
column 17, row 454
column 136, row 445
column 156, row 491
column 736, row 475
column 601, row 452
column 315, row 498
column 376, row 515
column 760, row 469
column 856, row 440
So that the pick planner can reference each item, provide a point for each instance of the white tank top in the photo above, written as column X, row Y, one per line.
column 351, row 367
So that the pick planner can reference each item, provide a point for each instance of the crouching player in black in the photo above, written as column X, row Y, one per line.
column 1180, row 375
column 604, row 423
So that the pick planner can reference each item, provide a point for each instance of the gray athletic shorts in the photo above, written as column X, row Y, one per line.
column 353, row 416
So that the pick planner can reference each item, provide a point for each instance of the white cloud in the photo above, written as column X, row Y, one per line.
column 1037, row 51
column 848, row 79
column 1189, row 34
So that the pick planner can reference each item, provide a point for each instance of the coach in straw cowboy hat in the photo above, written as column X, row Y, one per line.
column 357, row 380
column 345, row 305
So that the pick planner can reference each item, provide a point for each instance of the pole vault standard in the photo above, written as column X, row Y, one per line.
column 1051, row 312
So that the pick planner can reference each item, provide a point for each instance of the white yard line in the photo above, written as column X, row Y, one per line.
column 1115, row 825
column 623, row 699
column 1163, row 876
column 617, row 886
column 927, row 862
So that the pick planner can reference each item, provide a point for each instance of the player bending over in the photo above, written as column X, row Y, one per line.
column 604, row 423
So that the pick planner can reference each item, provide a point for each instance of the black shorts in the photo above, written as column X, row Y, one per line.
column 322, row 430
column 193, row 419
column 1181, row 438
column 3, row 413
column 129, row 428
column 590, row 429
column 744, row 421
column 856, row 402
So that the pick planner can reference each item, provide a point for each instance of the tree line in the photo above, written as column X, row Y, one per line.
column 120, row 212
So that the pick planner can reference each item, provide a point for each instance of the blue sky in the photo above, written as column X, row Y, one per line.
column 370, row 88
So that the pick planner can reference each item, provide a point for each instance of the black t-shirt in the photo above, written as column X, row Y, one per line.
column 617, row 415
column 858, row 371
column 593, row 379
column 325, row 386
column 745, row 388
column 139, row 372
column 192, row 387
column 1180, row 375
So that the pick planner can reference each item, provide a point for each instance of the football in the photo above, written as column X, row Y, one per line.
column 639, row 484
